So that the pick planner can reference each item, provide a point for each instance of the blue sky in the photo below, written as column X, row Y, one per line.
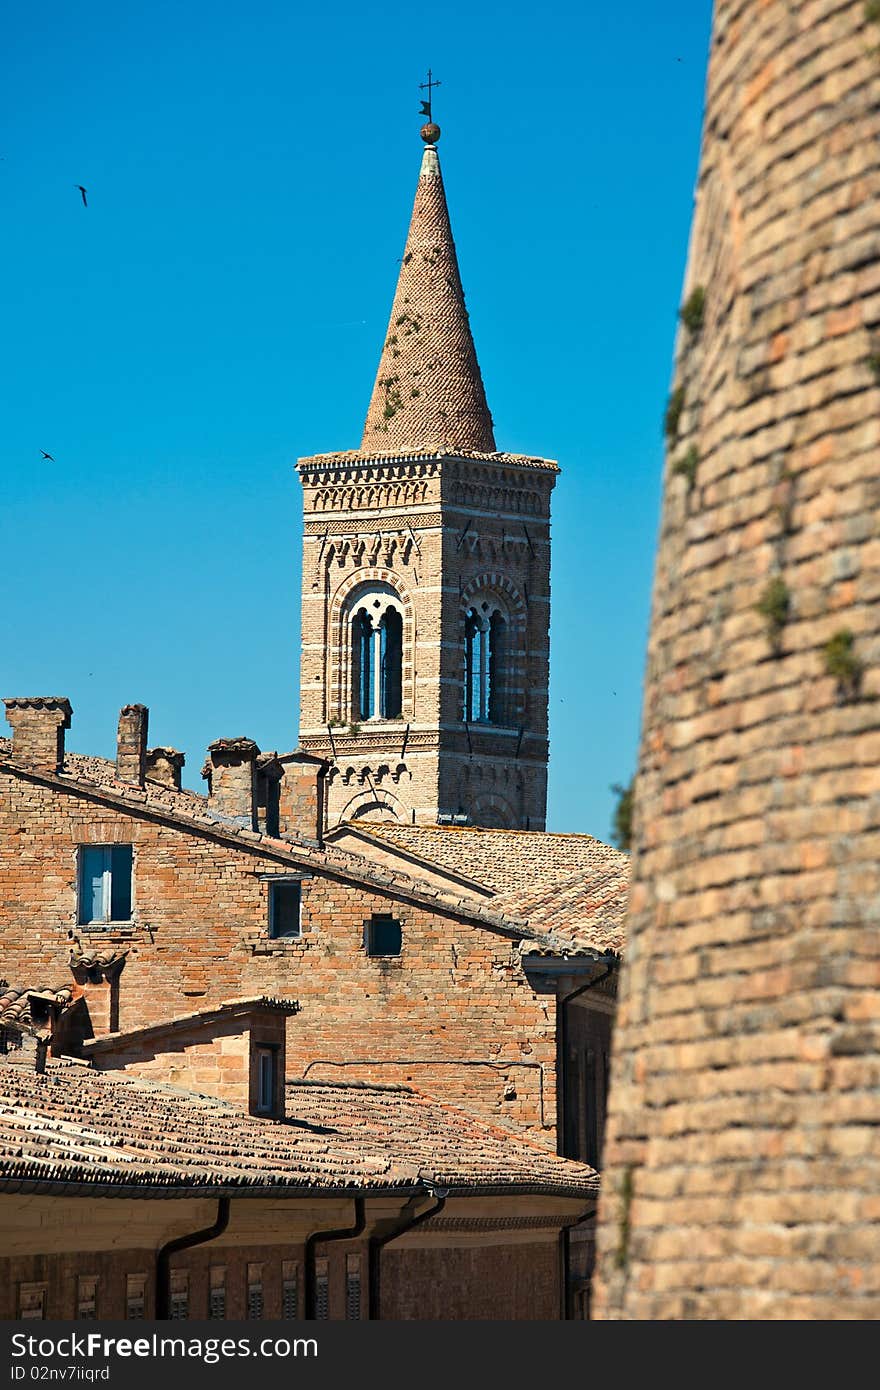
column 219, row 307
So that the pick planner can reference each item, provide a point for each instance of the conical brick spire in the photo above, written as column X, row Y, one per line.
column 429, row 393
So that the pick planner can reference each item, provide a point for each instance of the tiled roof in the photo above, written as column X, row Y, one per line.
column 571, row 888
column 114, row 1132
column 429, row 393
column 97, row 776
column 15, row 1009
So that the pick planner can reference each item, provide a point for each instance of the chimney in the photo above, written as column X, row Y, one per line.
column 269, row 775
column 163, row 765
column 38, row 725
column 231, row 776
column 131, row 744
column 301, row 797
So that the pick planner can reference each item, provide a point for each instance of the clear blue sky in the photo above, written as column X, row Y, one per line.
column 219, row 307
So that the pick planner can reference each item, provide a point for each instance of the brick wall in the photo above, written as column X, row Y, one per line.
column 742, row 1161
column 453, row 1014
column 512, row 1282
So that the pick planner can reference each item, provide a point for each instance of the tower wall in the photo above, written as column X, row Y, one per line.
column 443, row 533
column 742, row 1165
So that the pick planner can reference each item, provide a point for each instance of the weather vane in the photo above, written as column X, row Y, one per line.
column 428, row 86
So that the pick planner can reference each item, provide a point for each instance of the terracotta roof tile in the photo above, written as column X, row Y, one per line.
column 74, row 1125
column 570, row 888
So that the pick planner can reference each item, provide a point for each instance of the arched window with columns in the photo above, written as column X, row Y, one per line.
column 376, row 617
column 485, row 663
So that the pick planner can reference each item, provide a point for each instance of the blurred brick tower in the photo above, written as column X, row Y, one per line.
column 742, row 1165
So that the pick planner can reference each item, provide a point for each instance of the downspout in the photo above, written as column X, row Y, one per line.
column 565, row 1259
column 377, row 1245
column 163, row 1272
column 340, row 1233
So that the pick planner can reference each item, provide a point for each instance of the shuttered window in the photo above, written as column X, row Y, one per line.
column 105, row 884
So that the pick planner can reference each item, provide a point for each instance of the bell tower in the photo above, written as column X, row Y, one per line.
column 426, row 575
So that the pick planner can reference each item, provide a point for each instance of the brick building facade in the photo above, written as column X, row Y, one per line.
column 743, row 1163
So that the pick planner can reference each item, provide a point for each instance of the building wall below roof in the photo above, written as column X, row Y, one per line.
column 500, row 1260
column 453, row 1014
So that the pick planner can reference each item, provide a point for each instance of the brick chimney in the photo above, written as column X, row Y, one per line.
column 38, row 725
column 301, row 797
column 131, row 744
column 231, row 775
column 163, row 765
column 269, row 775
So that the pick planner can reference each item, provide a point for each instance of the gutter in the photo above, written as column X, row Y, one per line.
column 378, row 1243
column 341, row 1233
column 163, row 1270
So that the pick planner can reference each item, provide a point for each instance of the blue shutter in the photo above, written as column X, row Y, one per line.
column 92, row 863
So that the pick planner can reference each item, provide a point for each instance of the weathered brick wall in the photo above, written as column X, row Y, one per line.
column 509, row 1282
column 454, row 1013
column 742, row 1160
column 216, row 1065
column 505, row 1283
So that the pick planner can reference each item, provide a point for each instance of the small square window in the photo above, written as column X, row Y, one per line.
column 104, row 884
column 285, row 901
column 383, row 935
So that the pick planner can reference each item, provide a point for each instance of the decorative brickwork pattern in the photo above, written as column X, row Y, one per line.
column 428, row 393
column 742, row 1158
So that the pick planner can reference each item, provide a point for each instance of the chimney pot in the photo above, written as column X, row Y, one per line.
column 163, row 765
column 231, row 771
column 301, row 802
column 38, row 723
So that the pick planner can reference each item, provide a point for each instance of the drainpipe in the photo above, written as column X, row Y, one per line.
column 163, row 1272
column 565, row 1260
column 341, row 1233
column 378, row 1243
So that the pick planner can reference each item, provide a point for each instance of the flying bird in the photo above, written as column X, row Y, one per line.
column 83, row 192
column 47, row 457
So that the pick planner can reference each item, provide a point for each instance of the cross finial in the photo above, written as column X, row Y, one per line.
column 428, row 86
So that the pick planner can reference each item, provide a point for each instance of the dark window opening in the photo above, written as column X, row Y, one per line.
column 255, row 1291
column 363, row 665
column 485, row 663
column 352, row 1286
column 497, row 660
column 105, row 884
column 285, row 902
column 322, row 1288
column 383, row 935
column 267, row 1080
column 289, row 1290
column 391, row 649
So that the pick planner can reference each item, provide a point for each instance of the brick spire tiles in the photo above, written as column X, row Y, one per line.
column 429, row 393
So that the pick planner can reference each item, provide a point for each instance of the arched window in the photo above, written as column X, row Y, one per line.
column 365, row 684
column 485, row 665
column 391, row 646
column 497, row 667
column 377, row 654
